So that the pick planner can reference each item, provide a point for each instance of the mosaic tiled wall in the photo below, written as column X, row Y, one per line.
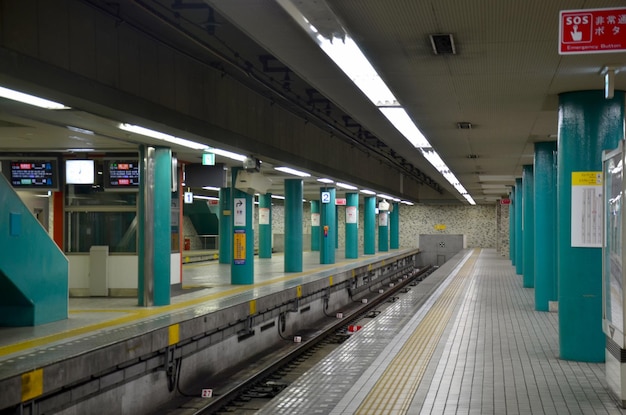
column 502, row 229
column 477, row 223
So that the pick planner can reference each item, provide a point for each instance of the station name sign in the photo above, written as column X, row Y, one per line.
column 592, row 31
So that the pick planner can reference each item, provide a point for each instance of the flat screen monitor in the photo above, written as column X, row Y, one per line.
column 32, row 173
column 121, row 174
column 79, row 171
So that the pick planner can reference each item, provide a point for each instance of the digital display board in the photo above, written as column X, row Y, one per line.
column 122, row 174
column 32, row 173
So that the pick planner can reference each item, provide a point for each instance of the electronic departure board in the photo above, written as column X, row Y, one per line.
column 32, row 174
column 122, row 174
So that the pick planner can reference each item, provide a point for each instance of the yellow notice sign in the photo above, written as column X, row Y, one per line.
column 586, row 178
column 239, row 247
column 440, row 227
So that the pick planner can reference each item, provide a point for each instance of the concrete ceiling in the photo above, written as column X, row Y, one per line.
column 504, row 78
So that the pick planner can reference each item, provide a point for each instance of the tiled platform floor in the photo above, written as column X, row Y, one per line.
column 496, row 356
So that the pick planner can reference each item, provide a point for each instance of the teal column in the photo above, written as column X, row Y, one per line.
column 369, row 226
column 154, row 238
column 512, row 227
column 225, row 226
column 588, row 124
column 293, row 225
column 394, row 226
column 265, row 225
column 327, row 225
column 519, row 247
column 529, row 226
column 545, row 225
column 383, row 227
column 315, row 225
column 242, row 266
column 352, row 225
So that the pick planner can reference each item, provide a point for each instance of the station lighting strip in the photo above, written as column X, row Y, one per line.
column 348, row 57
column 136, row 129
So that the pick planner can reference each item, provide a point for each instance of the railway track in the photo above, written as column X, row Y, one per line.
column 255, row 388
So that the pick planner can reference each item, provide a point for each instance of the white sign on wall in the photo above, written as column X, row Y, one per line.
column 264, row 216
column 239, row 204
column 351, row 214
column 586, row 222
column 315, row 219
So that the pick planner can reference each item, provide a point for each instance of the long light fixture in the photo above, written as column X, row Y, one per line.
column 226, row 153
column 325, row 180
column 367, row 192
column 31, row 99
column 347, row 55
column 295, row 172
column 162, row 136
column 205, row 197
column 346, row 186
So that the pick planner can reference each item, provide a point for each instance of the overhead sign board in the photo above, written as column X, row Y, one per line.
column 592, row 31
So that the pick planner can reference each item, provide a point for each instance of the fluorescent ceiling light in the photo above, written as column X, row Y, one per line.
column 384, row 196
column 162, row 136
column 226, row 153
column 295, row 172
column 403, row 123
column 79, row 150
column 206, row 197
column 469, row 199
column 346, row 186
column 217, row 189
column 347, row 55
column 31, row 99
column 278, row 197
column 324, row 180
column 367, row 192
column 406, row 202
column 80, row 130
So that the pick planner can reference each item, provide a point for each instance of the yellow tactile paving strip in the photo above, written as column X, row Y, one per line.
column 394, row 390
column 134, row 315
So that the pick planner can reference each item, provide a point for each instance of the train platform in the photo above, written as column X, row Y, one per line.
column 106, row 334
column 476, row 346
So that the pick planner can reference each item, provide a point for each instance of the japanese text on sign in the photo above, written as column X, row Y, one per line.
column 592, row 31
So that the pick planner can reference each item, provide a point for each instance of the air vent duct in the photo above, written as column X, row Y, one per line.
column 443, row 44
column 464, row 125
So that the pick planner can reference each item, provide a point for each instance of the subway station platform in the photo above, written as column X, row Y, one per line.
column 476, row 346
column 103, row 336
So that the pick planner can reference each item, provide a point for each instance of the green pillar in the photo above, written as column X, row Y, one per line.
column 315, row 225
column 545, row 225
column 327, row 225
column 293, row 225
column 529, row 226
column 394, row 226
column 242, row 266
column 383, row 226
column 512, row 227
column 369, row 226
column 519, row 247
column 588, row 124
column 352, row 225
column 154, row 248
column 265, row 225
column 225, row 226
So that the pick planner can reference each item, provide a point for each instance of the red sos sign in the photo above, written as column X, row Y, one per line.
column 577, row 28
column 592, row 31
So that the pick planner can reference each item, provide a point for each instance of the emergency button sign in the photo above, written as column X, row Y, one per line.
column 592, row 31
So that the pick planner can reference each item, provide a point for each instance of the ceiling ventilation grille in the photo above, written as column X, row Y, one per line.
column 464, row 125
column 443, row 44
